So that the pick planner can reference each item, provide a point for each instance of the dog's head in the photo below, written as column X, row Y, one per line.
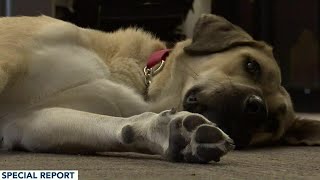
column 234, row 81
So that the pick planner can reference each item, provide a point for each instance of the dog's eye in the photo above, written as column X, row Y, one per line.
column 252, row 67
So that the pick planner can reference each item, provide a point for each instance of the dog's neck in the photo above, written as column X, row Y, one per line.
column 165, row 89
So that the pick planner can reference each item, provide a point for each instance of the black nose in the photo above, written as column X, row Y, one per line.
column 254, row 105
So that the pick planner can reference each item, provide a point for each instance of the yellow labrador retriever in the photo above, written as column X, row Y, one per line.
column 66, row 89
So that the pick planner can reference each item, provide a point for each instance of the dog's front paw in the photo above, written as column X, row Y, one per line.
column 192, row 138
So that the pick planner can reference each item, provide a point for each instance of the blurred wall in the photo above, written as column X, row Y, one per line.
column 27, row 7
column 199, row 7
column 1, row 7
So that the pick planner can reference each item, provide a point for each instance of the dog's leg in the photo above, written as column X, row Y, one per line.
column 177, row 136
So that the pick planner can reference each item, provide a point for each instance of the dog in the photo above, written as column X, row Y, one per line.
column 66, row 89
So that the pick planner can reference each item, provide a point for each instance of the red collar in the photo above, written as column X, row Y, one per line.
column 156, row 57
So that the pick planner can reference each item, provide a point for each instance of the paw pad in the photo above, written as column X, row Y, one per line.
column 208, row 134
column 127, row 134
column 192, row 122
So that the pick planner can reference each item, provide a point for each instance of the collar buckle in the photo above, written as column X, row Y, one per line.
column 150, row 72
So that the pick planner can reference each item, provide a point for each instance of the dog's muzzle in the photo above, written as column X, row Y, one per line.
column 239, row 112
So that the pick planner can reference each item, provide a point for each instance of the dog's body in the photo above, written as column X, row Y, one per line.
column 69, row 89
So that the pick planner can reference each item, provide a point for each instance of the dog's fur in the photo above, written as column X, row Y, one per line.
column 73, row 90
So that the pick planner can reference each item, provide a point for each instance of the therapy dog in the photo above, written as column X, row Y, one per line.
column 66, row 89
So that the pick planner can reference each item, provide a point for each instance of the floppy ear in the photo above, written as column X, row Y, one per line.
column 303, row 132
column 213, row 34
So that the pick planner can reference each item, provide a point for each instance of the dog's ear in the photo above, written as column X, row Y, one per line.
column 213, row 34
column 303, row 132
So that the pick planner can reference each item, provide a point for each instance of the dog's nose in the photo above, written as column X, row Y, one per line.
column 254, row 104
column 255, row 111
